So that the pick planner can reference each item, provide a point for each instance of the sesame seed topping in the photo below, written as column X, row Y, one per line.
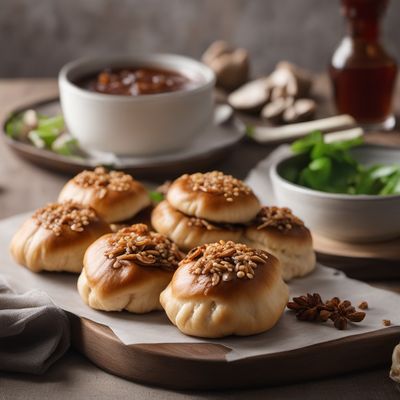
column 281, row 218
column 203, row 223
column 56, row 216
column 218, row 183
column 102, row 181
column 225, row 260
column 146, row 248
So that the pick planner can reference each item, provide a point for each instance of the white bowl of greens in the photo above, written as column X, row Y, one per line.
column 343, row 190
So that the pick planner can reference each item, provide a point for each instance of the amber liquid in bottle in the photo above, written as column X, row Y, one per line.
column 363, row 74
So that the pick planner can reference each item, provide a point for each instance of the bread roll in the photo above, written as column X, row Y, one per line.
column 114, row 195
column 214, row 196
column 223, row 289
column 128, row 270
column 56, row 237
column 282, row 234
column 188, row 232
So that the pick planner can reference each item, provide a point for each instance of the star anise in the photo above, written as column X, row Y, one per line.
column 343, row 311
column 310, row 307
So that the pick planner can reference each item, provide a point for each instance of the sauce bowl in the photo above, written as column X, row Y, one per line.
column 137, row 125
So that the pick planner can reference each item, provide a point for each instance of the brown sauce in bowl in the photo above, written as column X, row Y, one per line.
column 131, row 81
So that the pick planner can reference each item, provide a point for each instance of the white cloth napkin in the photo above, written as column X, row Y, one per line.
column 34, row 333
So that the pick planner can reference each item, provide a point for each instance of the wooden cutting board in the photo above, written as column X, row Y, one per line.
column 203, row 366
column 365, row 261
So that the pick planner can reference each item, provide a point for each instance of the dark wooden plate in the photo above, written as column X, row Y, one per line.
column 151, row 168
column 203, row 366
column 365, row 261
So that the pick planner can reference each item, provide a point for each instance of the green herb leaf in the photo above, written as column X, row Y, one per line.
column 307, row 143
column 330, row 167
column 54, row 123
column 250, row 131
column 156, row 197
column 46, row 135
column 14, row 126
column 66, row 147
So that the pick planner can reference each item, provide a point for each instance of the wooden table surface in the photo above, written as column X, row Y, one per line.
column 24, row 187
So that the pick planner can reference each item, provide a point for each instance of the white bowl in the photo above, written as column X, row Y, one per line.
column 348, row 218
column 137, row 125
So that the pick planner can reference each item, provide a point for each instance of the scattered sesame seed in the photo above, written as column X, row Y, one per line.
column 363, row 305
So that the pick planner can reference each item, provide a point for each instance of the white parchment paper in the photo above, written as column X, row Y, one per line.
column 259, row 179
column 288, row 334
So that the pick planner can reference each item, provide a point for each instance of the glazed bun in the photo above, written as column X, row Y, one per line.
column 56, row 237
column 213, row 196
column 223, row 289
column 128, row 270
column 279, row 232
column 114, row 195
column 188, row 232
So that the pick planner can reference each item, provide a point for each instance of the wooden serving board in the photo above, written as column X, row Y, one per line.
column 365, row 261
column 203, row 366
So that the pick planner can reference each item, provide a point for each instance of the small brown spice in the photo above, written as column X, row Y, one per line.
column 57, row 216
column 386, row 322
column 342, row 312
column 102, row 181
column 218, row 183
column 311, row 307
column 225, row 261
column 363, row 305
column 137, row 243
column 281, row 218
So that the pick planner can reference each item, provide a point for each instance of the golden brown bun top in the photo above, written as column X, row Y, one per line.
column 280, row 222
column 105, row 181
column 62, row 219
column 214, row 196
column 113, row 194
column 129, row 257
column 56, row 236
column 225, row 270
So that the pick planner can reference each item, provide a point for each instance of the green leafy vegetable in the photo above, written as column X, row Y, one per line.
column 330, row 167
column 43, row 132
column 250, row 131
column 65, row 145
column 156, row 196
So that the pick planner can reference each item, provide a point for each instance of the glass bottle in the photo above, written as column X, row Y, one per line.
column 363, row 74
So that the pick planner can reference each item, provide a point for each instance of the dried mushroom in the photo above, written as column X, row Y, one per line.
column 273, row 111
column 288, row 80
column 282, row 97
column 231, row 65
column 299, row 111
column 252, row 96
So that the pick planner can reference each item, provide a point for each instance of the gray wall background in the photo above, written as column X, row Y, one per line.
column 38, row 36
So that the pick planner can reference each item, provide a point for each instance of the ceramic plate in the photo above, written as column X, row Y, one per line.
column 206, row 150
